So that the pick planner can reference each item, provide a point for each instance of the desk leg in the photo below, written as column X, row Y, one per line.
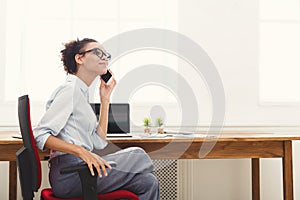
column 287, row 166
column 12, row 180
column 255, row 179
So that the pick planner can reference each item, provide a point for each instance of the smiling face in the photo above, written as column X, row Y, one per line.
column 90, row 62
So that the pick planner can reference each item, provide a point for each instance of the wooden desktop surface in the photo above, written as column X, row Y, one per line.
column 235, row 144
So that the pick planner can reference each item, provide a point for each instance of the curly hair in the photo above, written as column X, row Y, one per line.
column 68, row 54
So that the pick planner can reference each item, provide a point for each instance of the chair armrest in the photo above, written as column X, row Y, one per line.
column 72, row 169
column 88, row 182
column 77, row 168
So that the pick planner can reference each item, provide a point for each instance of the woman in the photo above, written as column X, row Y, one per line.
column 70, row 129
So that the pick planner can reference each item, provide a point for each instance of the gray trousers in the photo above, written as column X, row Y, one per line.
column 133, row 173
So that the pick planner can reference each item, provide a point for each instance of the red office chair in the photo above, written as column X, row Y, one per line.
column 29, row 165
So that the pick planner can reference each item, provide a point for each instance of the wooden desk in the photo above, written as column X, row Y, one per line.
column 228, row 145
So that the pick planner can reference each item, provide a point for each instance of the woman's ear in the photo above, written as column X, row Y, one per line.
column 78, row 58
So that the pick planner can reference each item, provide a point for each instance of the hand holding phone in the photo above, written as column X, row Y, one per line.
column 107, row 78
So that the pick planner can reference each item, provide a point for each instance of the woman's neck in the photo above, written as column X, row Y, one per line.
column 86, row 78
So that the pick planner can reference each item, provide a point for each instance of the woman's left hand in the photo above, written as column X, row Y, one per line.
column 106, row 90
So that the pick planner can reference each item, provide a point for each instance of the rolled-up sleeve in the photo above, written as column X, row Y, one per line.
column 98, row 142
column 41, row 136
column 55, row 118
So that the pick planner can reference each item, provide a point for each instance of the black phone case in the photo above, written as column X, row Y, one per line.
column 106, row 76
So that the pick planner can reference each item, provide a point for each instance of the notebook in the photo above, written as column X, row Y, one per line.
column 118, row 119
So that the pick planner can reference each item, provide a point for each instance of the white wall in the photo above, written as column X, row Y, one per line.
column 229, row 32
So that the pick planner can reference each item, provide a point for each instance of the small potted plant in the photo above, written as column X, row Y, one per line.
column 160, row 123
column 147, row 124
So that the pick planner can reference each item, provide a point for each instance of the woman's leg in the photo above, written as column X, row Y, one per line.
column 65, row 185
column 131, row 160
column 133, row 173
column 145, row 185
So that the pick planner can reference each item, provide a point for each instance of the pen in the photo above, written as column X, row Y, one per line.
column 17, row 137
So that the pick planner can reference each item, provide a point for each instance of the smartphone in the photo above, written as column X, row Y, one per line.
column 107, row 77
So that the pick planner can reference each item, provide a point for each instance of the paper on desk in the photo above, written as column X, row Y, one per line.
column 154, row 136
column 188, row 135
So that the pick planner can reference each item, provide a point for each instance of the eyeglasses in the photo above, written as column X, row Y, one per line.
column 98, row 52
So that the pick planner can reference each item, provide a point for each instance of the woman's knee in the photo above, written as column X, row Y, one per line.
column 136, row 150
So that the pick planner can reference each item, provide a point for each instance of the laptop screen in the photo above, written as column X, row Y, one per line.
column 118, row 117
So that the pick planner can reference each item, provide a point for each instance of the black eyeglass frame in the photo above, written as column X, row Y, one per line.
column 97, row 52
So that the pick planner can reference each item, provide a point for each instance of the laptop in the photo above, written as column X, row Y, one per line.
column 118, row 119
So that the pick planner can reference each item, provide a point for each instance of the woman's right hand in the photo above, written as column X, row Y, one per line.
column 93, row 160
column 106, row 90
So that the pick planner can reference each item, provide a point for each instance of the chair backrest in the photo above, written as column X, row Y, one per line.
column 27, row 157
